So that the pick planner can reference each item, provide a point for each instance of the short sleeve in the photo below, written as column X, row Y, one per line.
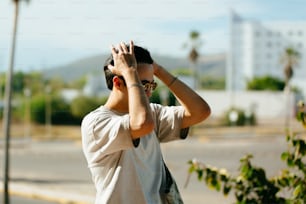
column 168, row 120
column 104, row 133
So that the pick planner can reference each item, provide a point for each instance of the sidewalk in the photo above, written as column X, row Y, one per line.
column 49, row 186
column 64, row 193
column 82, row 192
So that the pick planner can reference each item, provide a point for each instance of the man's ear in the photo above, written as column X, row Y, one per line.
column 117, row 82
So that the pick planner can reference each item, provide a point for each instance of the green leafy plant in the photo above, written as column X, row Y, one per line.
column 242, row 117
column 266, row 83
column 212, row 83
column 155, row 98
column 301, row 115
column 82, row 105
column 251, row 185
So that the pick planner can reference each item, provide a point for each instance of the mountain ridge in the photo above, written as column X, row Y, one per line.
column 211, row 65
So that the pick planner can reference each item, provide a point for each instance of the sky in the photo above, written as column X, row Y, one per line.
column 55, row 32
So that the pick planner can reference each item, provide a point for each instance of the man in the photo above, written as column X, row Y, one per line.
column 121, row 139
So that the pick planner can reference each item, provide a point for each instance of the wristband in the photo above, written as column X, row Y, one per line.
column 173, row 80
column 134, row 85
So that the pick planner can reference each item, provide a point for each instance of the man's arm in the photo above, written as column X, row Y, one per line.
column 196, row 108
column 141, row 119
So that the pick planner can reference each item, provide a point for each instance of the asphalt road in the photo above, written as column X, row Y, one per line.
column 61, row 162
column 23, row 200
column 221, row 153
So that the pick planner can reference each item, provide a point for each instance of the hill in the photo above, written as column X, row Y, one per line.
column 210, row 65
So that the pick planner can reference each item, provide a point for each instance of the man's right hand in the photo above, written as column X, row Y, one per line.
column 124, row 59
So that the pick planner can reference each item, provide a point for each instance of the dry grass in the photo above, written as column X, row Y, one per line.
column 207, row 128
column 42, row 132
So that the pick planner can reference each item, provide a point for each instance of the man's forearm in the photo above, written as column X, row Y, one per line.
column 141, row 120
column 196, row 108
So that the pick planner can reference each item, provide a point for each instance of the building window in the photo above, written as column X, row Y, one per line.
column 300, row 33
column 269, row 33
column 269, row 56
column 269, row 44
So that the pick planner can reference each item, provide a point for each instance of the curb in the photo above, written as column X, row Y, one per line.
column 58, row 196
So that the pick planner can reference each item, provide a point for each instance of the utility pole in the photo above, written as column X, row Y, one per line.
column 48, row 111
column 7, row 107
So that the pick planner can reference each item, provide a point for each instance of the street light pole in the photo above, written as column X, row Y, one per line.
column 48, row 111
column 7, row 107
column 27, row 114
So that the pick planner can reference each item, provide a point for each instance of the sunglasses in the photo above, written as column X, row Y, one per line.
column 149, row 85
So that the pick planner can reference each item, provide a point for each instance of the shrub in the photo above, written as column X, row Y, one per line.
column 60, row 110
column 38, row 109
column 266, row 83
column 155, row 98
column 171, row 99
column 82, row 105
column 213, row 83
column 252, row 185
column 60, row 113
column 241, row 116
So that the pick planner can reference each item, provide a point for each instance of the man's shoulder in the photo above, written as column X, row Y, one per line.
column 95, row 111
column 101, row 113
column 155, row 106
column 92, row 115
column 161, row 108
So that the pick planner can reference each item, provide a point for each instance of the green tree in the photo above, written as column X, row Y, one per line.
column 2, row 84
column 155, row 98
column 82, row 105
column 171, row 99
column 56, row 84
column 61, row 114
column 21, row 80
column 213, row 83
column 290, row 58
column 182, row 72
column 60, row 110
column 18, row 82
column 266, row 83
column 36, row 83
column 194, row 44
column 78, row 83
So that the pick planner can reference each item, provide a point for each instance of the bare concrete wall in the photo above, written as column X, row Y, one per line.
column 265, row 104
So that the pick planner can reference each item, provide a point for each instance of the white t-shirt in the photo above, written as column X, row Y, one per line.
column 122, row 170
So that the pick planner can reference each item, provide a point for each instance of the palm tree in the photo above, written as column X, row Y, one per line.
column 7, row 107
column 194, row 44
column 290, row 58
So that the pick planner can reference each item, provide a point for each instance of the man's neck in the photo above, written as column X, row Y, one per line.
column 115, row 102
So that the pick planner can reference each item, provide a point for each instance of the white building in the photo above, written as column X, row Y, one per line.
column 95, row 86
column 256, row 48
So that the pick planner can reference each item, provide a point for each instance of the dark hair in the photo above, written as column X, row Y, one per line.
column 142, row 56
